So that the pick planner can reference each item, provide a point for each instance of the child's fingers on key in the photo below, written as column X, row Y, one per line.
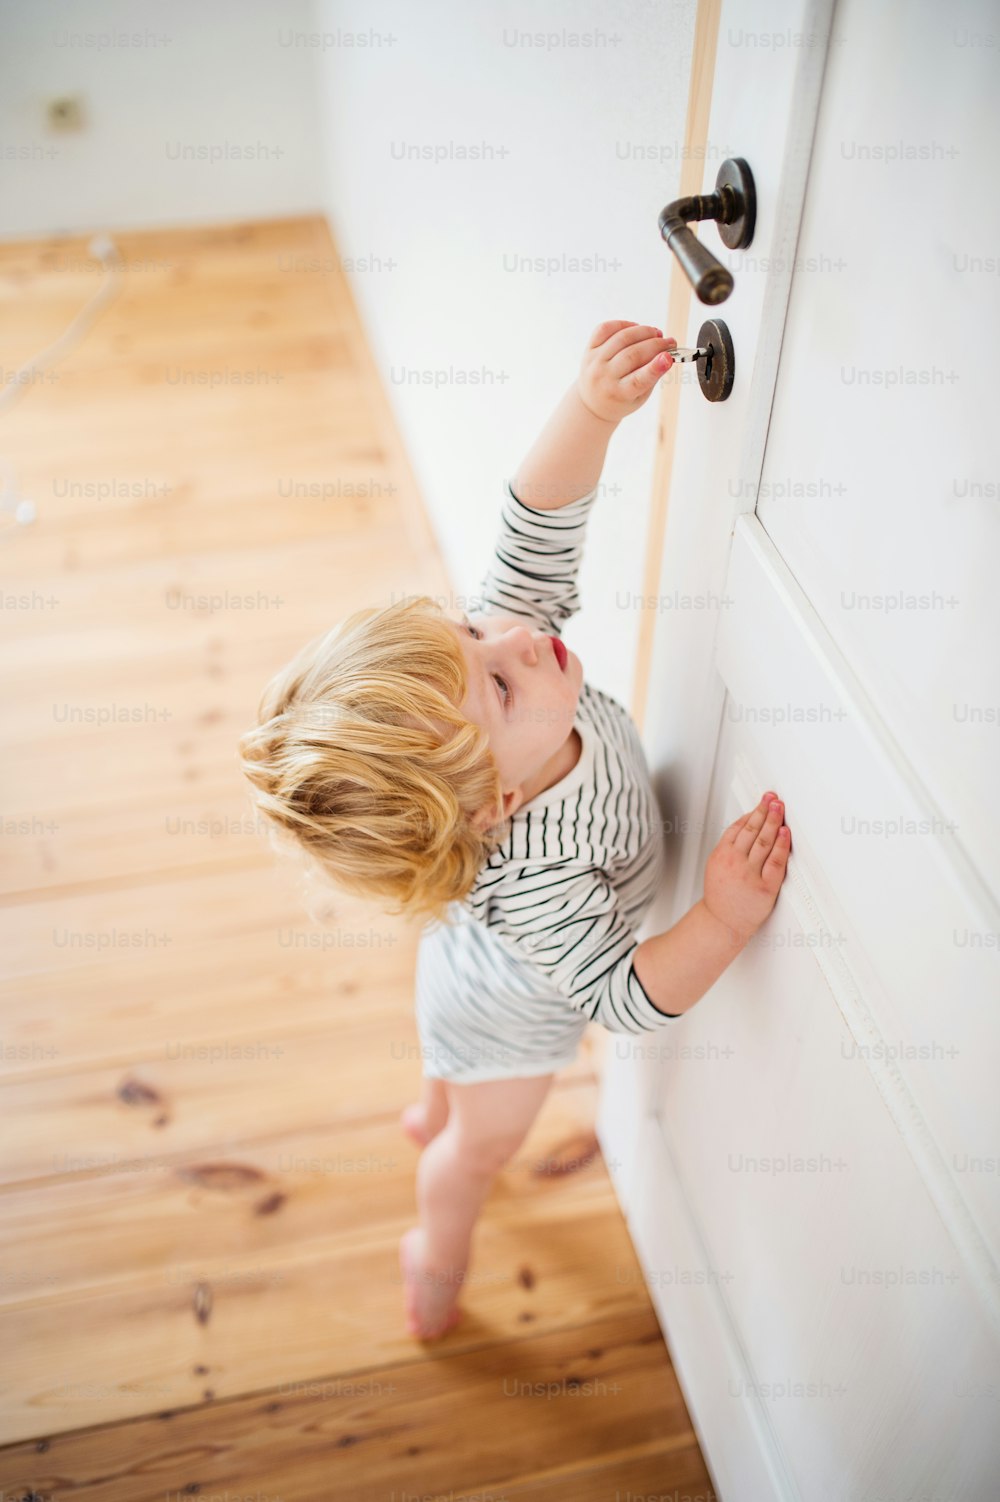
column 634, row 334
column 646, row 377
column 752, row 825
column 641, row 353
column 641, row 381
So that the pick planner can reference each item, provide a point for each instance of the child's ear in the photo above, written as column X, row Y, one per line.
column 487, row 816
column 512, row 801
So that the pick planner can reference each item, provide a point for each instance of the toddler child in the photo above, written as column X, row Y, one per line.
column 457, row 766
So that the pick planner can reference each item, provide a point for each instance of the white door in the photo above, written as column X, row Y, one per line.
column 809, row 1161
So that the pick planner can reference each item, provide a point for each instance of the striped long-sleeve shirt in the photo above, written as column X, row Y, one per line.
column 545, row 941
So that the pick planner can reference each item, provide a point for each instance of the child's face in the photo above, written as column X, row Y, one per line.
column 519, row 694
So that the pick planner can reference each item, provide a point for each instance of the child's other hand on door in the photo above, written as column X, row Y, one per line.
column 622, row 364
column 747, row 866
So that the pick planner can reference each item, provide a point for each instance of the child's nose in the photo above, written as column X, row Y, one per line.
column 526, row 641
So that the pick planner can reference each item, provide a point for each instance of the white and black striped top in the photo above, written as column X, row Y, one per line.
column 582, row 860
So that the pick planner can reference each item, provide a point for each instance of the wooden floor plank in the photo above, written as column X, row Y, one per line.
column 187, row 1093
column 227, row 958
column 534, row 1410
column 264, row 1324
column 92, row 519
column 192, row 1214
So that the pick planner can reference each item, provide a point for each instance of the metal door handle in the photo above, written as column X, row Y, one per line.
column 733, row 206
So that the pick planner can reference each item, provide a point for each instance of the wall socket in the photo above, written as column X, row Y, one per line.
column 66, row 112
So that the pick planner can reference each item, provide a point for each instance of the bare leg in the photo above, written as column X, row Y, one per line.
column 487, row 1123
column 425, row 1118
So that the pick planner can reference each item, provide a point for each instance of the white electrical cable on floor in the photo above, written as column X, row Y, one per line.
column 103, row 249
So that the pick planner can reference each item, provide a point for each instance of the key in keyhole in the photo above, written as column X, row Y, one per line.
column 682, row 356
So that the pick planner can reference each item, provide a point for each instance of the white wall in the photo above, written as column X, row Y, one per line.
column 439, row 297
column 214, row 75
column 582, row 137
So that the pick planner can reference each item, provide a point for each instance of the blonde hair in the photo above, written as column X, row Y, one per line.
column 361, row 756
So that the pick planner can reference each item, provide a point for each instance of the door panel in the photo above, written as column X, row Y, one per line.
column 881, row 486
column 922, row 1006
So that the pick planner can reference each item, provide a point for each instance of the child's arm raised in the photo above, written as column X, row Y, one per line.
column 622, row 364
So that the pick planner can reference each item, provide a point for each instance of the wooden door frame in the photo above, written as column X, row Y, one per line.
column 703, row 56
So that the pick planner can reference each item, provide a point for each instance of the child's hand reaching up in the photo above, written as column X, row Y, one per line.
column 622, row 364
column 747, row 866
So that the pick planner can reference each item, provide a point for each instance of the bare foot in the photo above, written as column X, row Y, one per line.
column 413, row 1120
column 431, row 1298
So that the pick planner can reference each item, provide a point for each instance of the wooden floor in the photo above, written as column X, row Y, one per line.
column 203, row 1178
